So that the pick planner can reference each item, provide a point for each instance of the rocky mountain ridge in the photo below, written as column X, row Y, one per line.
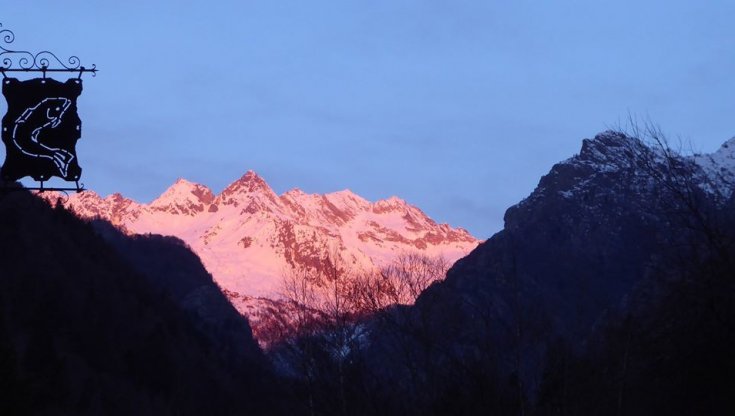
column 248, row 237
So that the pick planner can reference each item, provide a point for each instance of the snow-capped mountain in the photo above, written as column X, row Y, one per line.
column 248, row 236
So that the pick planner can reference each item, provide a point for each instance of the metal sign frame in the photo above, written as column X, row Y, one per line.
column 44, row 62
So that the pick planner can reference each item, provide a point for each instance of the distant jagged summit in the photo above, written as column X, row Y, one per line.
column 249, row 183
column 248, row 236
column 183, row 197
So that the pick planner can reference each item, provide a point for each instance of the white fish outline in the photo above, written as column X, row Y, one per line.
column 48, row 113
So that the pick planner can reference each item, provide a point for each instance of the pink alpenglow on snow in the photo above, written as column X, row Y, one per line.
column 248, row 237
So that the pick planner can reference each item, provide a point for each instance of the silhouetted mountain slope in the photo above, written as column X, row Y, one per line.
column 82, row 332
column 175, row 270
column 569, row 251
column 620, row 236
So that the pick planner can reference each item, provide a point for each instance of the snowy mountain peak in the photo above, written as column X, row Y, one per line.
column 392, row 203
column 115, row 198
column 295, row 193
column 185, row 190
column 624, row 162
column 608, row 147
column 247, row 236
column 727, row 151
column 719, row 168
column 348, row 200
column 248, row 183
column 184, row 197
column 347, row 195
column 251, row 193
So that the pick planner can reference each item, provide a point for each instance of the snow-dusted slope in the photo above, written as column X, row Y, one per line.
column 248, row 236
column 610, row 152
column 720, row 167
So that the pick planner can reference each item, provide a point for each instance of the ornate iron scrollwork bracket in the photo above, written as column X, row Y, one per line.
column 42, row 145
column 43, row 62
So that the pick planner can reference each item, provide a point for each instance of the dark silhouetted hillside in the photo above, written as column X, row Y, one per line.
column 83, row 331
column 171, row 268
column 610, row 290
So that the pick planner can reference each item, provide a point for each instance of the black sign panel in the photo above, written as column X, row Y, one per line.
column 41, row 129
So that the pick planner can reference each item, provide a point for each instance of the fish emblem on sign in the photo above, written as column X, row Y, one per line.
column 41, row 128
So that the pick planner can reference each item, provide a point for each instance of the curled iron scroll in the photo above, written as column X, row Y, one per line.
column 11, row 59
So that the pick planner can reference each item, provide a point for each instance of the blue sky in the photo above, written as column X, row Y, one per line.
column 456, row 106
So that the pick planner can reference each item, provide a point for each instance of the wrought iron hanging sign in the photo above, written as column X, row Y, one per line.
column 41, row 127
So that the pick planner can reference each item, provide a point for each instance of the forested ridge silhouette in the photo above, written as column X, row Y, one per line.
column 84, row 331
